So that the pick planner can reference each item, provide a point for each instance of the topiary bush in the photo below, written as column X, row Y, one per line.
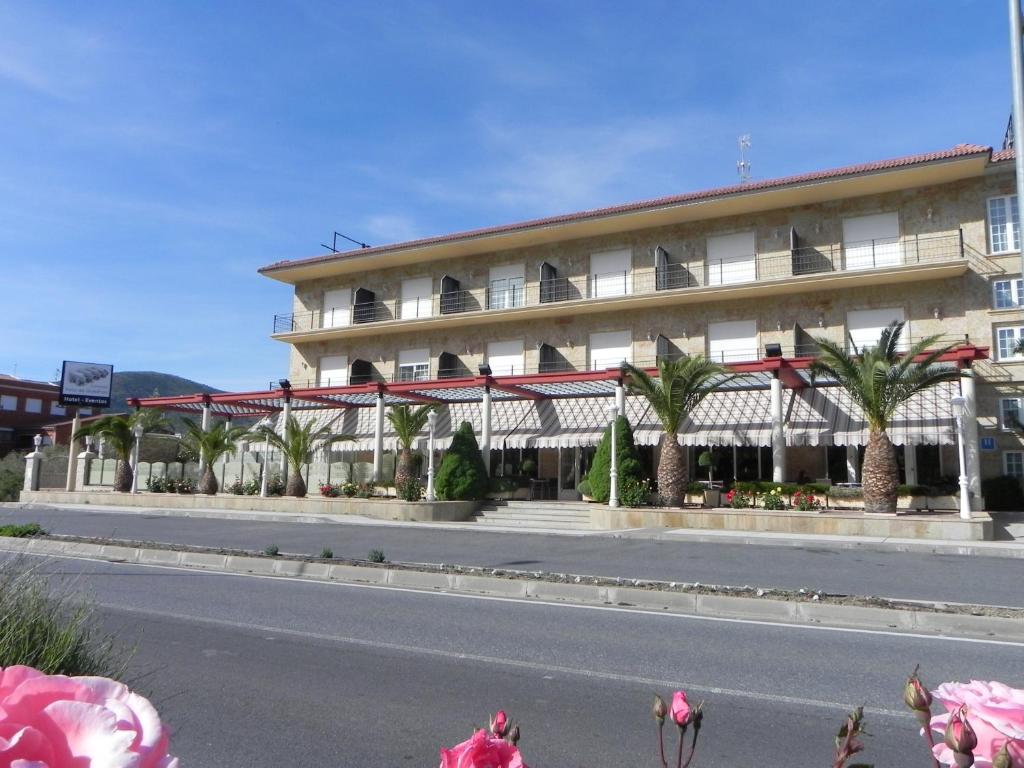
column 629, row 467
column 1002, row 494
column 462, row 475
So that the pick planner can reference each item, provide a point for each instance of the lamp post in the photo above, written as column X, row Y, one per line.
column 613, row 495
column 137, row 430
column 957, row 403
column 37, row 441
column 431, row 423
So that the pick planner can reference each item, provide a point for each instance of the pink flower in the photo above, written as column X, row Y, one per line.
column 499, row 723
column 995, row 712
column 53, row 721
column 681, row 711
column 481, row 750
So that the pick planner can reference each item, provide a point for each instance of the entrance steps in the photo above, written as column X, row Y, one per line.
column 545, row 515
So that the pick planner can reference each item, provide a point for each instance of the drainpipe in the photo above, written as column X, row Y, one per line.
column 1017, row 78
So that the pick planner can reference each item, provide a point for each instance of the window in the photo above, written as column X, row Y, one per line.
column 417, row 298
column 1006, row 294
column 1013, row 464
column 870, row 242
column 1009, row 413
column 1006, row 342
column 333, row 371
column 33, row 405
column 85, row 411
column 1003, row 224
column 864, row 327
column 506, row 357
column 610, row 273
column 8, row 403
column 56, row 409
column 337, row 308
column 732, row 341
column 731, row 259
column 505, row 289
column 414, row 365
column 611, row 349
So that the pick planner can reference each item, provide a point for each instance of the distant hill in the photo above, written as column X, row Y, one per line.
column 151, row 384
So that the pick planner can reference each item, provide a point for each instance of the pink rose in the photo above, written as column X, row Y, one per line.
column 681, row 711
column 995, row 712
column 499, row 724
column 482, row 750
column 53, row 721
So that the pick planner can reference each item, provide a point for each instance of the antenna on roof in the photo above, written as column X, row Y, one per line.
column 1008, row 136
column 743, row 165
column 334, row 248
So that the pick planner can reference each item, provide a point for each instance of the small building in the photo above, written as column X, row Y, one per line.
column 26, row 408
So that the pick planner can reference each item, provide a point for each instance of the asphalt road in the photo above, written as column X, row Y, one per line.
column 915, row 576
column 269, row 672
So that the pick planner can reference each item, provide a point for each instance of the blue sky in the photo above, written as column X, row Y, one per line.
column 154, row 155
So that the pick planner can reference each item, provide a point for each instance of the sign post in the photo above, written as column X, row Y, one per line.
column 82, row 384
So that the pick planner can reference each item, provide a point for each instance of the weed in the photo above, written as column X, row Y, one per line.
column 271, row 550
column 376, row 556
column 326, row 553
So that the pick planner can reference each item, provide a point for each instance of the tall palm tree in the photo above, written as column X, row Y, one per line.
column 211, row 444
column 119, row 432
column 679, row 388
column 407, row 422
column 879, row 379
column 297, row 444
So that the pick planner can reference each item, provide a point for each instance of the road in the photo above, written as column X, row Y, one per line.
column 268, row 671
column 906, row 575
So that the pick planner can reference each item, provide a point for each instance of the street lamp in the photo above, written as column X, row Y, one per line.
column 431, row 422
column 38, row 442
column 957, row 403
column 137, row 430
column 613, row 496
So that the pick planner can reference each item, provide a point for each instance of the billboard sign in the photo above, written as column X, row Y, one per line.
column 86, row 384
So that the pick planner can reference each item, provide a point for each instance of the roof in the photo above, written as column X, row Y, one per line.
column 956, row 152
column 1002, row 155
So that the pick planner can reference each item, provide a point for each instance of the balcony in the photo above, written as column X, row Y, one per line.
column 798, row 269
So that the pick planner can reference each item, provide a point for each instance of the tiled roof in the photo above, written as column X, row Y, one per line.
column 1002, row 154
column 960, row 150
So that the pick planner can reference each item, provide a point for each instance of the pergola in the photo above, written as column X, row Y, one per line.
column 771, row 374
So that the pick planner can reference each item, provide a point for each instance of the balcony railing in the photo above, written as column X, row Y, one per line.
column 688, row 275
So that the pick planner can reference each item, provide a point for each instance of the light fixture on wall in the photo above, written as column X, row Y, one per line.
column 570, row 343
column 821, row 321
column 937, row 312
column 650, row 335
column 778, row 325
column 929, row 213
column 539, row 344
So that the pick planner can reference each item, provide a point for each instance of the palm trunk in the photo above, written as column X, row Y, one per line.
column 403, row 472
column 123, row 477
column 672, row 472
column 295, row 486
column 208, row 481
column 880, row 474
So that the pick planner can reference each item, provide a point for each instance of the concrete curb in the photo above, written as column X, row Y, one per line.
column 686, row 603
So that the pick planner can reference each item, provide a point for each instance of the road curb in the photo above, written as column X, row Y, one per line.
column 719, row 606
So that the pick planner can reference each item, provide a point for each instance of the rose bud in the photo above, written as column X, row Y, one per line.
column 916, row 696
column 499, row 724
column 1002, row 759
column 960, row 737
column 660, row 709
column 681, row 711
column 513, row 735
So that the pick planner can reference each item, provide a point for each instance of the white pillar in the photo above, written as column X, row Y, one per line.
column 84, row 464
column 378, row 440
column 778, row 434
column 971, row 438
column 33, row 468
column 613, row 495
column 265, row 479
column 431, row 421
column 910, row 463
column 205, row 424
column 286, row 413
column 485, row 429
column 852, row 464
column 76, row 424
column 620, row 398
column 135, row 464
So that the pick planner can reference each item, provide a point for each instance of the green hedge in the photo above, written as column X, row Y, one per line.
column 462, row 475
column 629, row 468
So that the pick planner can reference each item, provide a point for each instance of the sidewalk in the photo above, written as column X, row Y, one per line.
column 974, row 572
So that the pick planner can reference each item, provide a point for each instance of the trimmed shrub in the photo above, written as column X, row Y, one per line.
column 462, row 475
column 635, row 493
column 410, row 490
column 629, row 467
column 585, row 489
column 1002, row 494
column 12, row 476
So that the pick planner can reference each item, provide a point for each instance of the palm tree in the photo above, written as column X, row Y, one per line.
column 407, row 422
column 297, row 444
column 879, row 379
column 679, row 388
column 210, row 445
column 119, row 432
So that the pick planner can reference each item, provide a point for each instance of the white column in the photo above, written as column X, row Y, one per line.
column 286, row 413
column 852, row 455
column 266, row 469
column 485, row 429
column 205, row 424
column 33, row 468
column 84, row 464
column 135, row 464
column 910, row 463
column 778, row 434
column 971, row 438
column 378, row 440
column 620, row 398
column 613, row 495
column 431, row 422
column 76, row 424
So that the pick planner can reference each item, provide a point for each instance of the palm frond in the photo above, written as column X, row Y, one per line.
column 679, row 387
column 408, row 422
column 299, row 439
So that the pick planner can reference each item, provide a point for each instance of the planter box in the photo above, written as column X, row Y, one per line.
column 713, row 497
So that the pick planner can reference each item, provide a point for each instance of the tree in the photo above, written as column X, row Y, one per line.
column 407, row 422
column 211, row 444
column 679, row 388
column 628, row 464
column 119, row 433
column 462, row 475
column 297, row 444
column 879, row 379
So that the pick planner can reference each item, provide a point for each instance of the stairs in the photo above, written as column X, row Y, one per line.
column 543, row 515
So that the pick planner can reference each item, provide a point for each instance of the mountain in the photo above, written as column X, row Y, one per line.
column 151, row 384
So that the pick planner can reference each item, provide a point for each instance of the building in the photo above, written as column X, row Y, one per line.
column 521, row 328
column 25, row 408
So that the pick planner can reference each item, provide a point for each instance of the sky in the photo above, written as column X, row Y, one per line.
column 154, row 155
